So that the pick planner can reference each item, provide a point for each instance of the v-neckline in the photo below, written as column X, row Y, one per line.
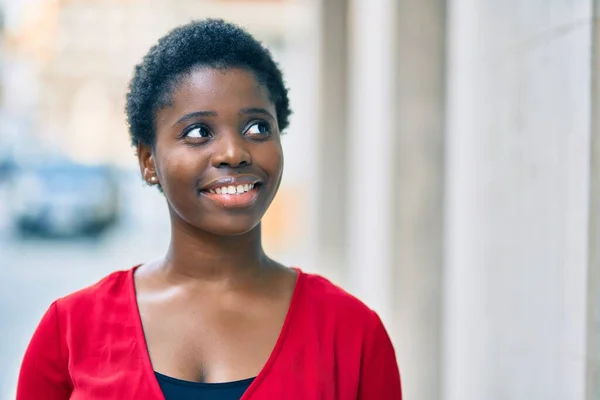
column 142, row 344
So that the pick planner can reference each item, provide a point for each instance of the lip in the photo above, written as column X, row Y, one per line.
column 233, row 201
column 231, row 181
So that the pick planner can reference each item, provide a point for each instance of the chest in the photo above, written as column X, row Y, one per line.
column 309, row 361
column 211, row 341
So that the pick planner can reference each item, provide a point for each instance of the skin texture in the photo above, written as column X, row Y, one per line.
column 213, row 308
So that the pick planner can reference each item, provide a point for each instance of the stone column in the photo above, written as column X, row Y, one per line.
column 418, row 172
column 593, row 328
column 370, row 169
column 331, row 201
column 388, row 124
column 517, row 199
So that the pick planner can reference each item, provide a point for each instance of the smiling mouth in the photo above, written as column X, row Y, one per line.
column 234, row 189
column 233, row 196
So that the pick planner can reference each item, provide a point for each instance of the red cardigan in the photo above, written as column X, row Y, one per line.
column 90, row 345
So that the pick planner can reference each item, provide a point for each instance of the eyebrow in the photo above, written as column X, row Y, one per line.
column 195, row 114
column 245, row 111
column 255, row 110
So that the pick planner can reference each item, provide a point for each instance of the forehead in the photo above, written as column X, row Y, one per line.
column 214, row 89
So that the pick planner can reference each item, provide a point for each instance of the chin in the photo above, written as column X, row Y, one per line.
column 230, row 228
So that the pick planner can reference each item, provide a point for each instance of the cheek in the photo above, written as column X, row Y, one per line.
column 271, row 159
column 276, row 171
column 181, row 168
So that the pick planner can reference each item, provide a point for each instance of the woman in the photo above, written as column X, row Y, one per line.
column 215, row 318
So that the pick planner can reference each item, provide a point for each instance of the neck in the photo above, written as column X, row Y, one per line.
column 204, row 256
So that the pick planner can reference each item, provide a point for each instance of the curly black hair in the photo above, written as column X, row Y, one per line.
column 211, row 43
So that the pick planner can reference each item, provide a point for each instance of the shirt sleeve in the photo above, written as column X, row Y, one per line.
column 44, row 373
column 380, row 376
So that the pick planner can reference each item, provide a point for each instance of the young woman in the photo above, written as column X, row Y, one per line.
column 216, row 318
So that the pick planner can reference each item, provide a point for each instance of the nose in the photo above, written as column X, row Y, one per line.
column 231, row 151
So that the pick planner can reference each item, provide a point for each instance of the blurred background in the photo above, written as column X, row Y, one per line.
column 442, row 164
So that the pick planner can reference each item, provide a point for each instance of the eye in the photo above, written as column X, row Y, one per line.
column 260, row 130
column 196, row 132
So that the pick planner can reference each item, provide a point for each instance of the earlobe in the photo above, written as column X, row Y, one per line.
column 147, row 164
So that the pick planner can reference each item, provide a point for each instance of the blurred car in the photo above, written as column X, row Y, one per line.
column 20, row 147
column 64, row 199
column 8, row 160
column 7, row 166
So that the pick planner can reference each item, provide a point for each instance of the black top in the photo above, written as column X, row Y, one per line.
column 176, row 389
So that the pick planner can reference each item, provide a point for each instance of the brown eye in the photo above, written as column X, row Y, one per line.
column 197, row 132
column 259, row 129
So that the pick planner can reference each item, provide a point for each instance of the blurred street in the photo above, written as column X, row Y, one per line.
column 36, row 271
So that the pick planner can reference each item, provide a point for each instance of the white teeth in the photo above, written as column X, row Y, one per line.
column 239, row 189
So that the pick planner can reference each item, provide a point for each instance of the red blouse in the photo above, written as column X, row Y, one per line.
column 90, row 345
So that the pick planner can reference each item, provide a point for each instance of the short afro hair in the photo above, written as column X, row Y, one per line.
column 211, row 43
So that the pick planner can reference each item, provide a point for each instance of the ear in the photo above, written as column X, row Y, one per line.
column 147, row 164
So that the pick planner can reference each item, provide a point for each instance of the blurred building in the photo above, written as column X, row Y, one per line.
column 459, row 188
column 93, row 48
column 71, row 61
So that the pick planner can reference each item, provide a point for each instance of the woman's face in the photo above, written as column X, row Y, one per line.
column 218, row 153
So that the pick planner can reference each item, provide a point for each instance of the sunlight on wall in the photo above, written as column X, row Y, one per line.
column 89, row 122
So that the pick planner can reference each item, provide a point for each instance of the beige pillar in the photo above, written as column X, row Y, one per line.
column 382, row 169
column 517, row 199
column 593, row 304
column 332, row 142
column 370, row 169
column 418, row 169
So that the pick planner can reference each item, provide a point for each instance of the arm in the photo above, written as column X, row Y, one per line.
column 380, row 377
column 44, row 373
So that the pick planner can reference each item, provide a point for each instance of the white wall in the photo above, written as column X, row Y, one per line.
column 370, row 172
column 518, row 148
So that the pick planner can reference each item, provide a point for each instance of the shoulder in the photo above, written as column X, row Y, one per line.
column 114, row 287
column 330, row 314
column 325, row 297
